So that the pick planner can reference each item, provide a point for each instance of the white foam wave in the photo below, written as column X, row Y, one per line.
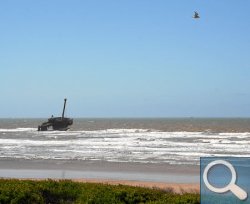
column 123, row 145
column 19, row 130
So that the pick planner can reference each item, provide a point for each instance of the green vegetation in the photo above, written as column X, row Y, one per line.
column 53, row 192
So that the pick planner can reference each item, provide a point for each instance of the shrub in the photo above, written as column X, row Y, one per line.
column 57, row 192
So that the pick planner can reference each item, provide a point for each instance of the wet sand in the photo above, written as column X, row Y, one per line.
column 99, row 171
column 177, row 178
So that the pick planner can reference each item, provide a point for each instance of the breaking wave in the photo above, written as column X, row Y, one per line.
column 122, row 145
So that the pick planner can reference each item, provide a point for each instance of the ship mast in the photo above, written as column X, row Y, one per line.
column 64, row 107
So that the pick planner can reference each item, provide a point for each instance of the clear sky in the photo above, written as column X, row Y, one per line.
column 125, row 58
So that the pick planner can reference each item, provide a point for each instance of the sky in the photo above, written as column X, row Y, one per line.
column 125, row 58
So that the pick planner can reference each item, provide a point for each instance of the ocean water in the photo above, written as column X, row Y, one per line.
column 172, row 141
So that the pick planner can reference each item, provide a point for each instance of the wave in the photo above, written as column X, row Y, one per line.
column 19, row 130
column 122, row 145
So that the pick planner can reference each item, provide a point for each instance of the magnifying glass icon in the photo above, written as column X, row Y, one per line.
column 236, row 190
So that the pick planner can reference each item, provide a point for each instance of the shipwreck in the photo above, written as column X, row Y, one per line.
column 57, row 123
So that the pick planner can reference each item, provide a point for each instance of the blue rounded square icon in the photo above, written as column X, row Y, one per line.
column 224, row 180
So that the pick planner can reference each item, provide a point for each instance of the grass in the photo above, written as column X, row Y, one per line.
column 58, row 192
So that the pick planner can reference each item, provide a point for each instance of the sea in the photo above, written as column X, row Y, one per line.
column 143, row 140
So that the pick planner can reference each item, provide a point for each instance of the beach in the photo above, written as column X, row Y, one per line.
column 178, row 179
column 135, row 174
column 175, row 187
column 155, row 153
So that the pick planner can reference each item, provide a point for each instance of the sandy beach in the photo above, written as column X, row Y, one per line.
column 179, row 178
column 175, row 187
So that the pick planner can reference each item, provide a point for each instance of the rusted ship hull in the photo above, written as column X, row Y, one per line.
column 57, row 123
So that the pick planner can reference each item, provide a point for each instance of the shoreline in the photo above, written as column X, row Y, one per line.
column 98, row 170
column 7, row 163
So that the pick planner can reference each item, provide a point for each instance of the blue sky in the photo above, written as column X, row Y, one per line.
column 117, row 58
